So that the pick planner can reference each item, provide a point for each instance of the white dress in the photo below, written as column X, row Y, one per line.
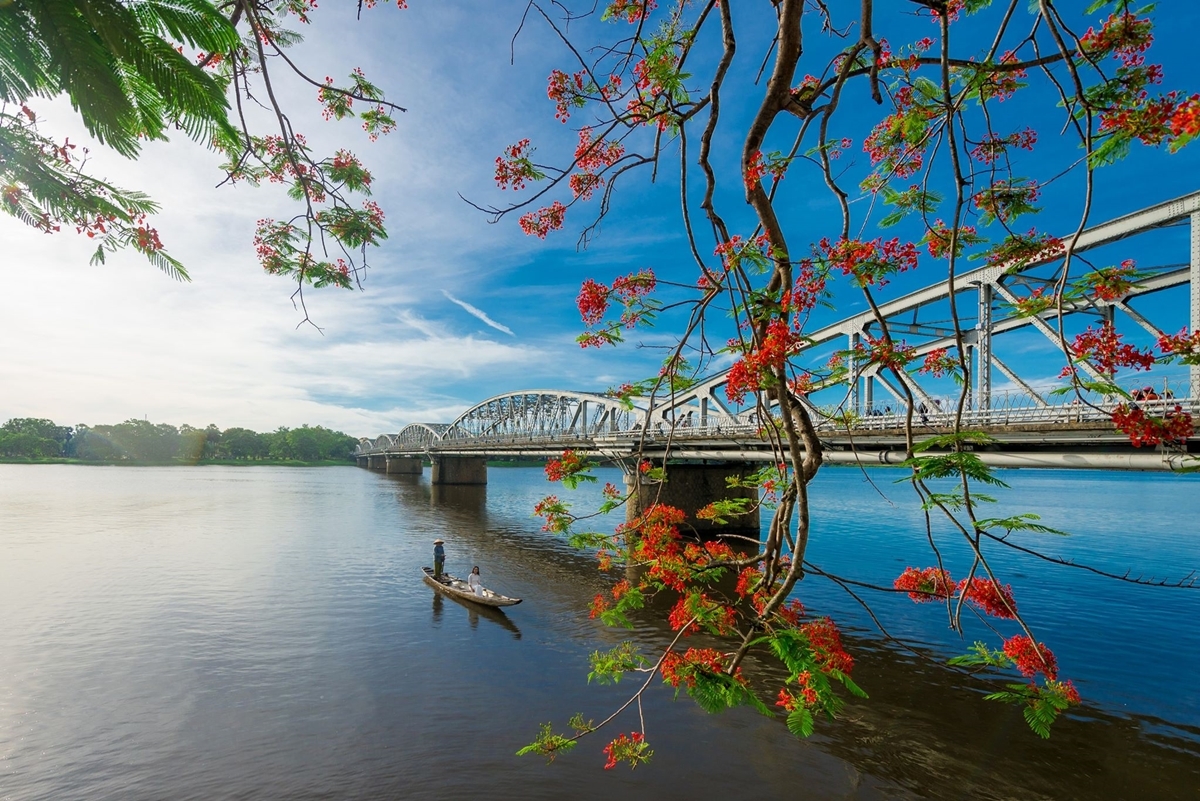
column 476, row 583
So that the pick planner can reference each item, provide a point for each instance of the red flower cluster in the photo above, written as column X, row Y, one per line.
column 1123, row 36
column 622, row 748
column 938, row 363
column 871, row 263
column 1183, row 345
column 1020, row 249
column 884, row 352
column 336, row 105
column 938, row 239
column 1185, row 121
column 631, row 290
column 826, row 643
column 735, row 250
column 654, row 540
column 898, row 141
column 146, row 239
column 1105, row 349
column 592, row 301
column 930, row 584
column 808, row 694
column 993, row 146
column 1006, row 199
column 592, row 157
column 570, row 464
column 1002, row 84
column 1035, row 302
column 1031, row 659
column 566, row 91
column 952, row 9
column 554, row 512
column 747, row 374
column 989, row 596
column 541, row 222
column 1143, row 429
column 682, row 668
column 754, row 171
column 1112, row 283
column 514, row 168
column 630, row 10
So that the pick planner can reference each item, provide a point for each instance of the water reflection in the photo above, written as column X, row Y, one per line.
column 474, row 612
column 924, row 728
column 208, row 633
column 467, row 499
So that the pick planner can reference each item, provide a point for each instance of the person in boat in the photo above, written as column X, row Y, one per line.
column 439, row 558
column 475, row 581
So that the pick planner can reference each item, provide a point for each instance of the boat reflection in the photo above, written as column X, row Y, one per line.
column 474, row 613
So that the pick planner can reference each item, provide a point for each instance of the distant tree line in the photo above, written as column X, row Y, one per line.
column 143, row 442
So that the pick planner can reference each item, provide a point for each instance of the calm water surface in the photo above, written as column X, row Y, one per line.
column 261, row 633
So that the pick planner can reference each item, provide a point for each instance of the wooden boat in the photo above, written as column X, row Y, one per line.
column 457, row 588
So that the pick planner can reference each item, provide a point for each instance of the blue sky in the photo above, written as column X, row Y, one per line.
column 454, row 309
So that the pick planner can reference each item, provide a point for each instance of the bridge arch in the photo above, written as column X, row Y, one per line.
column 557, row 414
column 419, row 435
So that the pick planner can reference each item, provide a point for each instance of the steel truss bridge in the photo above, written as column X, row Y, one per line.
column 1031, row 429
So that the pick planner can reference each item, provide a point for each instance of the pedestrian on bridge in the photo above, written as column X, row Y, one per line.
column 439, row 558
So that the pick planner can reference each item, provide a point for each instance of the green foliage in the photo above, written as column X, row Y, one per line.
column 981, row 656
column 715, row 692
column 954, row 501
column 1020, row 522
column 951, row 465
column 609, row 666
column 33, row 438
column 549, row 744
column 1042, row 705
column 118, row 65
column 800, row 722
column 721, row 510
column 912, row 200
column 142, row 442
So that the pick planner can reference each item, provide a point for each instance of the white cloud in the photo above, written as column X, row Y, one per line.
column 477, row 312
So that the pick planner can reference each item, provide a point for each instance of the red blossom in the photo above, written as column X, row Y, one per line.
column 630, row 10
column 992, row 598
column 1143, row 429
column 541, row 222
column 1031, row 659
column 1104, row 348
column 938, row 363
column 870, row 262
column 826, row 643
column 1183, row 345
column 929, row 584
column 514, row 167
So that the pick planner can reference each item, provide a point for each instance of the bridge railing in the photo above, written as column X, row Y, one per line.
column 1007, row 410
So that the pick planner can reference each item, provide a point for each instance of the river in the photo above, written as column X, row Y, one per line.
column 262, row 633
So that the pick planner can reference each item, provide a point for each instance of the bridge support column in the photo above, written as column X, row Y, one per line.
column 983, row 352
column 459, row 470
column 362, row 461
column 1194, row 378
column 377, row 462
column 404, row 465
column 691, row 487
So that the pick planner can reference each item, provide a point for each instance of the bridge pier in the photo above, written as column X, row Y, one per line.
column 691, row 487
column 377, row 462
column 362, row 461
column 403, row 465
column 459, row 470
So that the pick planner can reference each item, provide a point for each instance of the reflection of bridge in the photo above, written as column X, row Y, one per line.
column 699, row 424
